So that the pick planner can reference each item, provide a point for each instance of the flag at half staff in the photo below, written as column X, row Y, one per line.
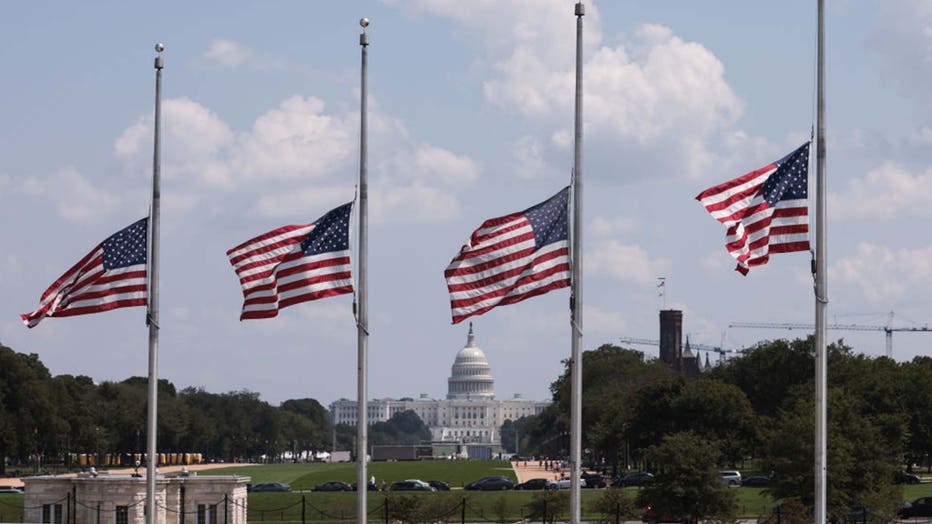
column 294, row 264
column 766, row 211
column 111, row 276
column 511, row 258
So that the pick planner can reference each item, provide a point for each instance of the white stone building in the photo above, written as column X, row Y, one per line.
column 120, row 499
column 469, row 414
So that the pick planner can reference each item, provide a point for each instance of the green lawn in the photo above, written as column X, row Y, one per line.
column 303, row 477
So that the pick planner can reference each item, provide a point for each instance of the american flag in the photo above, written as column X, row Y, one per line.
column 294, row 264
column 112, row 275
column 511, row 258
column 766, row 211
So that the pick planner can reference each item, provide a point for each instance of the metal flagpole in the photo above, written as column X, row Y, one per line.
column 821, row 284
column 362, row 326
column 152, row 315
column 576, row 289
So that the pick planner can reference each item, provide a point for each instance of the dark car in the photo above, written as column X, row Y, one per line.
column 333, row 485
column 533, row 484
column 369, row 486
column 921, row 507
column 594, row 480
column 756, row 481
column 271, row 486
column 639, row 478
column 411, row 485
column 439, row 485
column 902, row 477
column 496, row 483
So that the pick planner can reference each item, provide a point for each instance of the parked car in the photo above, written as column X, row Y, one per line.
column 271, row 486
column 439, row 485
column 902, row 477
column 411, row 485
column 594, row 480
column 495, row 483
column 756, row 481
column 11, row 489
column 639, row 478
column 731, row 477
column 921, row 507
column 534, row 484
column 333, row 485
column 566, row 481
column 370, row 486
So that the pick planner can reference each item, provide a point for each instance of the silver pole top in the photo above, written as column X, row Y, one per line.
column 580, row 9
column 364, row 38
column 159, row 47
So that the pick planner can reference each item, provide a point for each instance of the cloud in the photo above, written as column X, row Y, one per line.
column 627, row 263
column 446, row 166
column 528, row 155
column 888, row 192
column 608, row 227
column 309, row 153
column 883, row 275
column 74, row 196
column 297, row 139
column 230, row 54
column 655, row 93
column 902, row 37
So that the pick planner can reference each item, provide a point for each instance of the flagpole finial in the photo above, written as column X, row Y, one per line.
column 364, row 37
column 159, row 47
column 580, row 9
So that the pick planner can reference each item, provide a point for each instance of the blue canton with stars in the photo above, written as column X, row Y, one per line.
column 790, row 181
column 549, row 219
column 330, row 233
column 126, row 247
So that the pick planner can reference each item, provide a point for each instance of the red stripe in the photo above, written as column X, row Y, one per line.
column 724, row 204
column 518, row 298
column 504, row 291
column 309, row 266
column 498, row 246
column 280, row 289
column 270, row 313
column 743, row 179
column 505, row 275
column 266, row 236
column 103, row 307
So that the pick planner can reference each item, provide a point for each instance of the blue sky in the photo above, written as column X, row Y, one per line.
column 470, row 118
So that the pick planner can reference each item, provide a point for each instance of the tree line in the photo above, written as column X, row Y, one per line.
column 755, row 410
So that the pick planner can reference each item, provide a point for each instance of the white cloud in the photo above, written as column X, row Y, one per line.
column 302, row 203
column 75, row 197
column 193, row 141
column 296, row 140
column 622, row 262
column 888, row 192
column 446, row 166
column 414, row 203
column 528, row 154
column 608, row 227
column 902, row 35
column 231, row 54
column 883, row 275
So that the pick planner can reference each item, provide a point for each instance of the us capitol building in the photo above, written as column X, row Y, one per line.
column 469, row 414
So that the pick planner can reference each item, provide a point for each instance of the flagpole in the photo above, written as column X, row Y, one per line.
column 362, row 325
column 152, row 315
column 821, row 285
column 576, row 301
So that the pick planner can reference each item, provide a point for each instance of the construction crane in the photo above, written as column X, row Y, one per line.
column 701, row 347
column 887, row 329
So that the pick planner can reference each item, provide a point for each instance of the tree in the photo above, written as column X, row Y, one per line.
column 688, row 483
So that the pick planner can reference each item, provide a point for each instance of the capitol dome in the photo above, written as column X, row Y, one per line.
column 471, row 376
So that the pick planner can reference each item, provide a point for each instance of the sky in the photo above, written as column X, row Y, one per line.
column 470, row 117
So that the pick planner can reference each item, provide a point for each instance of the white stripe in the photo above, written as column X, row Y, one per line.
column 465, row 310
column 306, row 290
column 295, row 277
column 321, row 257
column 722, row 196
column 501, row 268
column 269, row 263
column 529, row 269
column 485, row 231
column 99, row 301
column 252, row 246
